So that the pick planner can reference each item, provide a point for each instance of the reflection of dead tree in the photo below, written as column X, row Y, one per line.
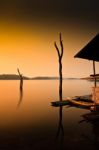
column 60, row 127
column 21, row 79
column 60, row 55
column 21, row 97
column 60, row 131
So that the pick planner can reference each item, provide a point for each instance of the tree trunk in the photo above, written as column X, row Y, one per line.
column 61, row 79
column 60, row 55
column 21, row 80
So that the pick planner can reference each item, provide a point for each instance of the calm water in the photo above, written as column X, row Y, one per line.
column 29, row 122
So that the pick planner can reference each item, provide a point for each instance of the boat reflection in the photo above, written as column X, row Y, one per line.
column 93, row 119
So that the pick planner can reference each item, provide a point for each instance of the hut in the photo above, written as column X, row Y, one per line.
column 91, row 52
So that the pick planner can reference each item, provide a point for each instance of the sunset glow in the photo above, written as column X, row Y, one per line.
column 30, row 46
column 49, row 99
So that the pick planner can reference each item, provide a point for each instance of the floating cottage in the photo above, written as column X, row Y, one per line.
column 91, row 52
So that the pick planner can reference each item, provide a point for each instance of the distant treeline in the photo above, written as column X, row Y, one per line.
column 11, row 77
column 17, row 77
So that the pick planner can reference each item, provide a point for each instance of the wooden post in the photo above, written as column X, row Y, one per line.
column 94, row 70
column 94, row 91
column 60, row 55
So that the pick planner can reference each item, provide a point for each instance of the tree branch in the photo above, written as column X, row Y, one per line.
column 18, row 72
column 57, row 49
column 61, row 43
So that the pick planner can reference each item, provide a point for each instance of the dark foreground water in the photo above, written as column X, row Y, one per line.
column 29, row 122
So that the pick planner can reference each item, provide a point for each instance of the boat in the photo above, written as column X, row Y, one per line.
column 60, row 103
column 80, row 103
column 77, row 100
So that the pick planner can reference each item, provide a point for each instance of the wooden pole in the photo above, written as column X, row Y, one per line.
column 94, row 70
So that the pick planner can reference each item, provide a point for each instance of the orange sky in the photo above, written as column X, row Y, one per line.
column 30, row 47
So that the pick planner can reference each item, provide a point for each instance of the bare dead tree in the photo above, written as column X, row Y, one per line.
column 21, row 79
column 60, row 55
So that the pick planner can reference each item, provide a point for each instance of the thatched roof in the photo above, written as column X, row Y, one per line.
column 91, row 50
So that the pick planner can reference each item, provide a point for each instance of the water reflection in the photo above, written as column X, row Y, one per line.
column 60, row 131
column 35, row 122
column 21, row 97
column 60, row 125
column 93, row 119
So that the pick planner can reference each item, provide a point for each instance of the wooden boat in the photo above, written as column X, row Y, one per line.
column 60, row 103
column 80, row 103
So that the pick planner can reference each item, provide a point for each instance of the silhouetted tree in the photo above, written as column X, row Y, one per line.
column 60, row 55
column 21, row 79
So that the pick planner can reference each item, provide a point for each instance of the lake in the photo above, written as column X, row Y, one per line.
column 29, row 122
